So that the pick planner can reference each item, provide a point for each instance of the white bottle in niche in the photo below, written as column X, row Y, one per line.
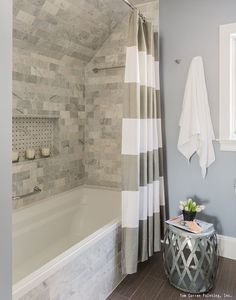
column 45, row 152
column 30, row 153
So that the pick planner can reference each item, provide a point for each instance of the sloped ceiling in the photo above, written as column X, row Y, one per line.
column 65, row 29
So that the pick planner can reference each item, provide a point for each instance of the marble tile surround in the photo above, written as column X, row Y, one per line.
column 49, row 80
column 57, row 80
column 105, row 91
column 93, row 274
column 57, row 90
column 53, row 41
column 65, row 29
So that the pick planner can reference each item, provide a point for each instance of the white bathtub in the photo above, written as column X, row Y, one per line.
column 64, row 232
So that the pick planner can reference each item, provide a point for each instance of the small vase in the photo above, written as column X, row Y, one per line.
column 189, row 216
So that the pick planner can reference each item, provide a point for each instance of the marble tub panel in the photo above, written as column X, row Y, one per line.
column 95, row 272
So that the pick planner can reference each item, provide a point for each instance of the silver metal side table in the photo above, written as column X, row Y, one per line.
column 190, row 260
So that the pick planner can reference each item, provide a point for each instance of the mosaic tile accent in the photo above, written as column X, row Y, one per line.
column 35, row 133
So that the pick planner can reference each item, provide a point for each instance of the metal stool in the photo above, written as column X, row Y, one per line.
column 190, row 260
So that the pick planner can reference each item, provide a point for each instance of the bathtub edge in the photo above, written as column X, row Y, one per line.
column 34, row 279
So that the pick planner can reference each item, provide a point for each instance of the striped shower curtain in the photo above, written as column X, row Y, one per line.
column 143, row 210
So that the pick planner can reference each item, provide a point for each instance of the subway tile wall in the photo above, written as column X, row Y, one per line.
column 105, row 93
column 56, row 46
column 55, row 89
column 53, row 41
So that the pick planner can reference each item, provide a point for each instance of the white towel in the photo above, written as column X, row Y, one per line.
column 196, row 130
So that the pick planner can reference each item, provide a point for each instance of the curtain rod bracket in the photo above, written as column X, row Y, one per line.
column 132, row 6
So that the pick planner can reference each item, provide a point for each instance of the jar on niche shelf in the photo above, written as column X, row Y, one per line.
column 45, row 152
column 30, row 153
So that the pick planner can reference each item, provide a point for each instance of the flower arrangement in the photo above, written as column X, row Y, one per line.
column 190, row 208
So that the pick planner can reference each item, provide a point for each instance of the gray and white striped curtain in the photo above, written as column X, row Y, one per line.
column 143, row 210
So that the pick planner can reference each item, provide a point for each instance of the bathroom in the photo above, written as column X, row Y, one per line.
column 71, row 130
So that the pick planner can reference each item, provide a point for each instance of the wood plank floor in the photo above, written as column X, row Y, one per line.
column 150, row 283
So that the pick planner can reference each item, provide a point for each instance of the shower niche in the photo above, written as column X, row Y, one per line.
column 34, row 133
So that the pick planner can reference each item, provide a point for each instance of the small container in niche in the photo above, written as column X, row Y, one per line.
column 45, row 152
column 30, row 154
column 15, row 156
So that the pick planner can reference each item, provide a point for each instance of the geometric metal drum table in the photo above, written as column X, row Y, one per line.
column 190, row 260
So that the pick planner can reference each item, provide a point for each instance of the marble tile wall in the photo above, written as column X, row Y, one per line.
column 57, row 43
column 93, row 274
column 65, row 29
column 53, row 41
column 105, row 93
column 45, row 86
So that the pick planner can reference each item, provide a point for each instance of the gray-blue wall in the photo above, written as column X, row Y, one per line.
column 189, row 28
column 5, row 148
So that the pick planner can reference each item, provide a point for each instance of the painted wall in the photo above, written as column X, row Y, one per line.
column 5, row 148
column 190, row 28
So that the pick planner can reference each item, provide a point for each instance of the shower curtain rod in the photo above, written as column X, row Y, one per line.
column 134, row 7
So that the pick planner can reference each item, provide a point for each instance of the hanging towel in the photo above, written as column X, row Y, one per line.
column 196, row 130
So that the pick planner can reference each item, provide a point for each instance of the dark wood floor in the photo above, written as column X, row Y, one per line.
column 150, row 283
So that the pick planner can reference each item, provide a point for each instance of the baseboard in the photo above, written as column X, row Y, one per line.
column 227, row 246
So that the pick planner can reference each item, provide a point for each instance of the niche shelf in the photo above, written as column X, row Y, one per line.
column 34, row 132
